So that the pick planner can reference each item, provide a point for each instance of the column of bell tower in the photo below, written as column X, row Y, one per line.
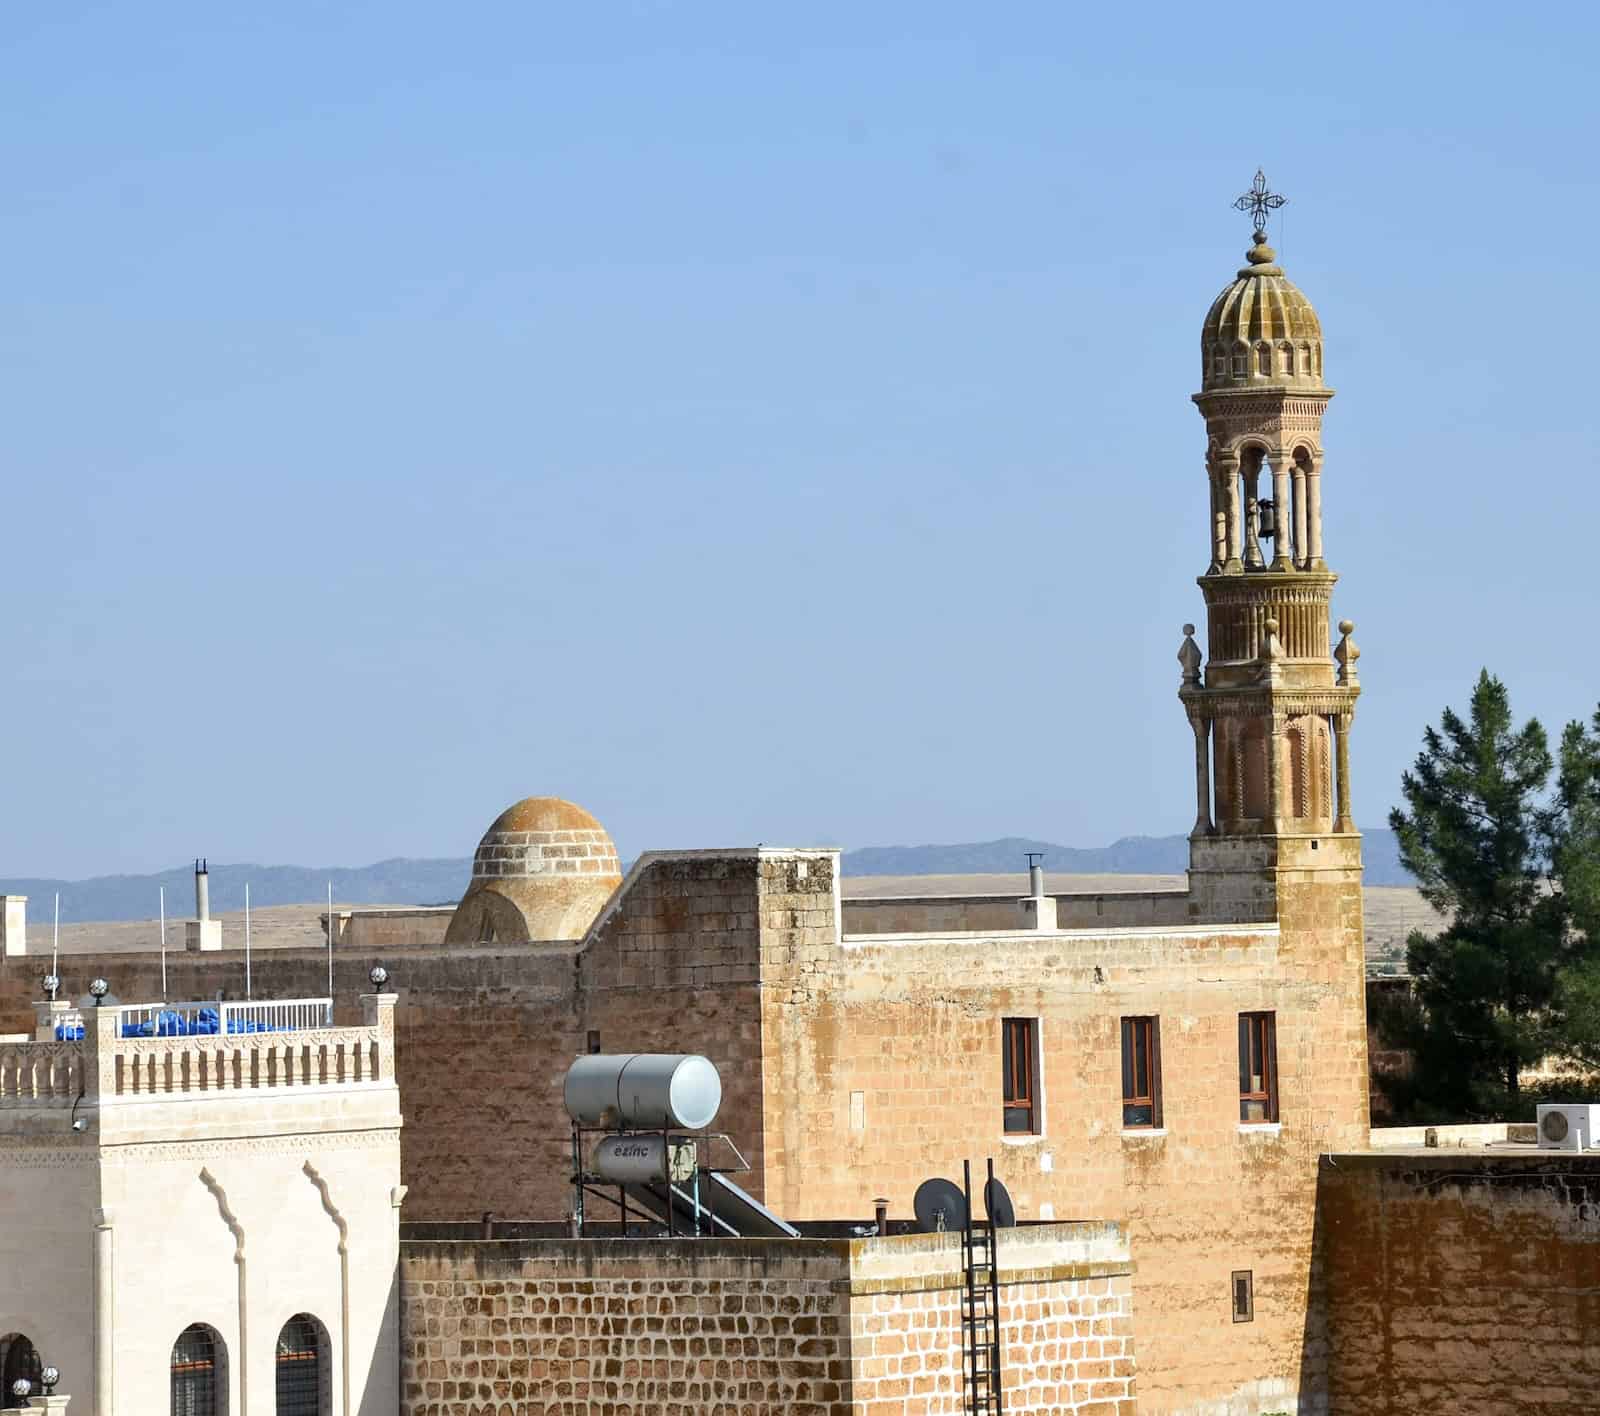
column 1271, row 699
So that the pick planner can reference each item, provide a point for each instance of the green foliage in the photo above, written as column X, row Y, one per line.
column 1516, row 869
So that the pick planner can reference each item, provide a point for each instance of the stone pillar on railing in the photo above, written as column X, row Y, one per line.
column 377, row 1010
column 100, row 1028
column 48, row 1403
column 13, row 925
column 47, row 1017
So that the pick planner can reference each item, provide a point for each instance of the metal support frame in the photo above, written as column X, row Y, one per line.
column 585, row 1183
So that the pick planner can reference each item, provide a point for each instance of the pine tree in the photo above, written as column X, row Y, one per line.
column 1575, row 852
column 1478, row 838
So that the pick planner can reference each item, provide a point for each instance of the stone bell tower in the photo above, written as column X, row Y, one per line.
column 1271, row 715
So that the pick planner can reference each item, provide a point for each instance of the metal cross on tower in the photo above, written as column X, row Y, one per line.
column 1259, row 202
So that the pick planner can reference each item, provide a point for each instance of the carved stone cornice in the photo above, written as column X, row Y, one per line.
column 1281, row 586
column 1260, row 701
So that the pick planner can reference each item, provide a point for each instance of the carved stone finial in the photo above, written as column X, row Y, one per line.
column 1190, row 658
column 1272, row 660
column 1346, row 653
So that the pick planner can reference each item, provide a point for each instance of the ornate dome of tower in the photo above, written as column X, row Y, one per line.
column 1261, row 332
column 543, row 870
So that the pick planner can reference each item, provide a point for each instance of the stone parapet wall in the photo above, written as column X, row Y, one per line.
column 1467, row 1283
column 761, row 1327
column 948, row 914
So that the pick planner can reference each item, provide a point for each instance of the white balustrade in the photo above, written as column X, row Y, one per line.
column 165, row 1049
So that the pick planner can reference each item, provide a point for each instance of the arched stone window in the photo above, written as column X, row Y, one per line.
column 304, row 1369
column 1219, row 361
column 18, row 1358
column 199, row 1373
column 1286, row 352
column 1264, row 359
column 1241, row 360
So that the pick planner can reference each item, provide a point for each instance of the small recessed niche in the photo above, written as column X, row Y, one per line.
column 594, row 1039
column 1243, row 1289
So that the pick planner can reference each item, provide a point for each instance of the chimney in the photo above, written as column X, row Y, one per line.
column 202, row 934
column 1038, row 909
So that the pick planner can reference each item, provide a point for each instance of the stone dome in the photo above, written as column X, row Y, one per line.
column 543, row 870
column 1261, row 332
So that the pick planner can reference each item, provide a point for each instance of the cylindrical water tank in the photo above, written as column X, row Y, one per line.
column 641, row 1158
column 643, row 1091
column 1036, row 881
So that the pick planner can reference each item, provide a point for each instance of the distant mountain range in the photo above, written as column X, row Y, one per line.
column 434, row 882
column 1132, row 855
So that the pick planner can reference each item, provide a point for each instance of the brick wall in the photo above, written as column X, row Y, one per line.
column 799, row 1327
column 1467, row 1283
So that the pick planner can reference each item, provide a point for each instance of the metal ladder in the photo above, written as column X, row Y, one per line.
column 980, row 1307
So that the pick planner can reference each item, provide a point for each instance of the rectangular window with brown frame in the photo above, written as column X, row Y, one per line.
column 1019, row 1083
column 1258, row 1068
column 1141, row 1074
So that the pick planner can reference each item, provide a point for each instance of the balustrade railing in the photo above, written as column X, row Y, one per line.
column 163, row 1049
column 206, row 1018
column 41, row 1072
column 201, row 1063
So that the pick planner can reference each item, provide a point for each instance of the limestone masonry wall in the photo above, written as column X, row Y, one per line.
column 484, row 1034
column 883, row 1062
column 911, row 914
column 1467, row 1283
column 761, row 1327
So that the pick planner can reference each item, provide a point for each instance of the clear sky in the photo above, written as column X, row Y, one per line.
column 752, row 422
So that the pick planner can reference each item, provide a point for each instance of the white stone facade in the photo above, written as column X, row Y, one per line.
column 236, row 1180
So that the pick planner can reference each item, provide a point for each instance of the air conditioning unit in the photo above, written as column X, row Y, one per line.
column 1569, row 1127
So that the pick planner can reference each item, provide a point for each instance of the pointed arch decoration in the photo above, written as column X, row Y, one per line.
column 237, row 1230
column 343, row 1227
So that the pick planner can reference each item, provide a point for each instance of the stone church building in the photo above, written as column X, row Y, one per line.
column 1172, row 1085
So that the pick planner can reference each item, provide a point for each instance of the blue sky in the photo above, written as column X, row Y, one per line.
column 754, row 423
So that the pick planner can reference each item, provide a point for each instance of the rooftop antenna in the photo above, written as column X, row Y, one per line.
column 247, row 939
column 163, row 943
column 330, row 953
column 55, row 940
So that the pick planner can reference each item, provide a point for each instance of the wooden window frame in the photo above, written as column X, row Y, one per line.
column 1019, row 1075
column 1242, row 1295
column 1141, row 1035
column 1258, row 1036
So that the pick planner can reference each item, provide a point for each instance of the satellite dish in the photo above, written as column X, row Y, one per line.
column 997, row 1202
column 939, row 1206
